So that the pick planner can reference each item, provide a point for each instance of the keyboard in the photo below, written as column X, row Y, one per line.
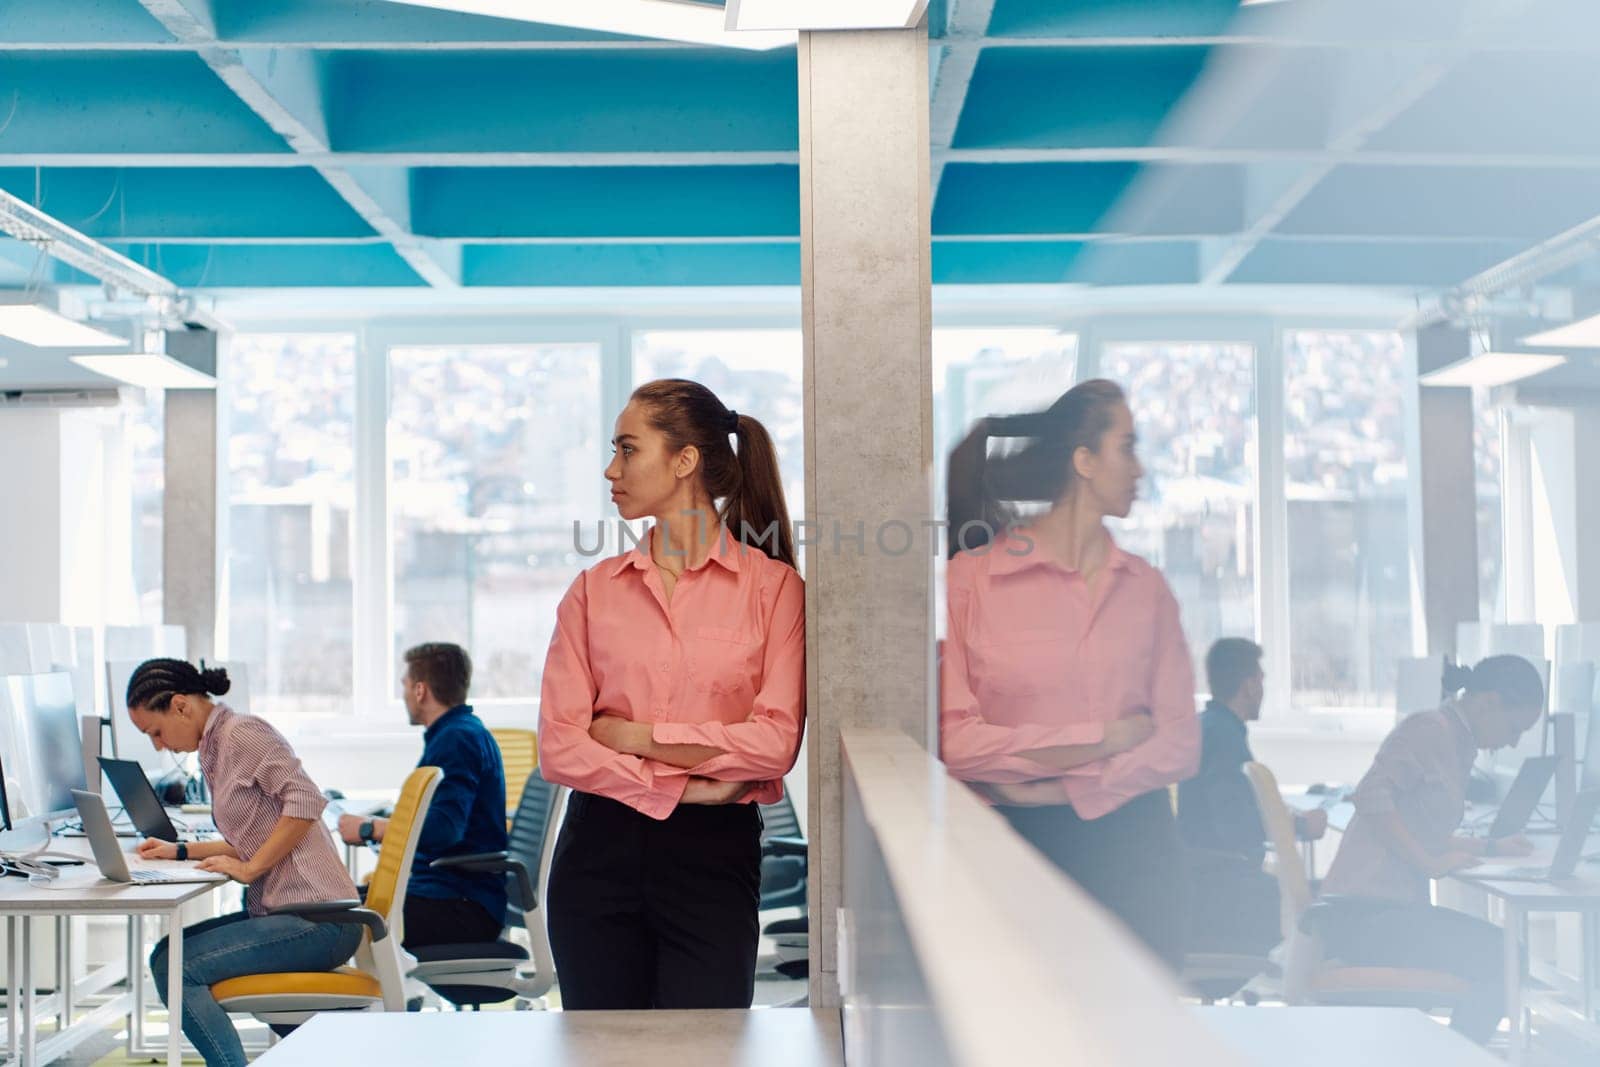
column 154, row 877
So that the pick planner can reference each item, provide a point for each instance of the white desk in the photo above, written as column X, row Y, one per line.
column 1578, row 895
column 767, row 1037
column 1342, row 1037
column 82, row 891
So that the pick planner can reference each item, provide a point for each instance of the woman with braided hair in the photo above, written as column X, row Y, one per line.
column 269, row 813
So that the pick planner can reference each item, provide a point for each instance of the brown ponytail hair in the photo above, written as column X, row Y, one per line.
column 747, row 481
column 979, row 488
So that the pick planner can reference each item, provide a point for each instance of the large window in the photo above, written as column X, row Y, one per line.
column 1344, row 455
column 291, row 488
column 1487, row 467
column 1194, row 410
column 756, row 372
column 495, row 452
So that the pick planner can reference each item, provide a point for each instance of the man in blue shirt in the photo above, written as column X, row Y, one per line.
column 1234, row 902
column 468, row 814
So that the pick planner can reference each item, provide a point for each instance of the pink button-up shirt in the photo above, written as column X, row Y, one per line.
column 1421, row 773
column 1034, row 659
column 255, row 778
column 721, row 664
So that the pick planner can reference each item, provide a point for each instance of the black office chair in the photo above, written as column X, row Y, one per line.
column 489, row 972
column 783, row 885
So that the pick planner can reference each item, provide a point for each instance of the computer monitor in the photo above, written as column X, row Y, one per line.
column 1590, row 732
column 43, row 744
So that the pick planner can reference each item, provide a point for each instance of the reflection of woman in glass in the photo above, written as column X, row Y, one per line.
column 673, row 699
column 1377, row 910
column 1067, row 693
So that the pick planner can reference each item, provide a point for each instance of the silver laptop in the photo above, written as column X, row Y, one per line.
column 108, row 855
column 1568, row 852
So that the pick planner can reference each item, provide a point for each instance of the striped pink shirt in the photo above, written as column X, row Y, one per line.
column 1034, row 659
column 722, row 664
column 255, row 778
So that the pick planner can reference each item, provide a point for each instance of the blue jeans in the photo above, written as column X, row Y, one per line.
column 232, row 946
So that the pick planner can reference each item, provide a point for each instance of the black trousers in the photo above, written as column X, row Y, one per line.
column 1128, row 860
column 655, row 914
column 1381, row 933
column 448, row 922
column 1233, row 904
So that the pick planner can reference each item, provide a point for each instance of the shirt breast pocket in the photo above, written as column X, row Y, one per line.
column 1026, row 663
column 725, row 662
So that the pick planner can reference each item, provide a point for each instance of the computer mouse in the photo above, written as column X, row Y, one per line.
column 333, row 794
column 1316, row 789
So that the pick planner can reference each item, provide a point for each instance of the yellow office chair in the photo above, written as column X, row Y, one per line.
column 519, row 755
column 377, row 982
column 1309, row 977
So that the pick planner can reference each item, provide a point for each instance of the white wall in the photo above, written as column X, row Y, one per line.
column 30, row 485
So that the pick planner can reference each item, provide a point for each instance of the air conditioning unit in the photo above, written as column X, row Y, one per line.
column 59, row 398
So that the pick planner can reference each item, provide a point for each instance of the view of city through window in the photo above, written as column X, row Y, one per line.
column 494, row 452
column 291, row 491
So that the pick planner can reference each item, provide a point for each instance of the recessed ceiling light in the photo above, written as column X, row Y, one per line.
column 1488, row 369
column 668, row 20
column 747, row 15
column 148, row 370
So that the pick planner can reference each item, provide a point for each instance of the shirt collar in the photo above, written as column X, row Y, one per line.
column 1223, row 713
column 725, row 552
column 433, row 728
column 213, row 727
column 1021, row 549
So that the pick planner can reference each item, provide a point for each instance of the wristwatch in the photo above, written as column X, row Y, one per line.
column 365, row 833
column 183, row 851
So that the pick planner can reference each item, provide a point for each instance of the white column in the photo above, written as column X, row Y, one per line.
column 192, row 504
column 864, row 180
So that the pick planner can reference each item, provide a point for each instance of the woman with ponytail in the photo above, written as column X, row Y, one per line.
column 1377, row 909
column 673, row 702
column 270, row 816
column 1066, row 688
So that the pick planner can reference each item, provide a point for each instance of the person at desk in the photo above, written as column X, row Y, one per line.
column 1233, row 902
column 1376, row 908
column 269, row 814
column 1066, row 691
column 673, row 700
column 468, row 813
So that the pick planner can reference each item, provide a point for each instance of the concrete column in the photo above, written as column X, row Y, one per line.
column 866, row 293
column 1447, row 497
column 191, row 509
column 1586, row 446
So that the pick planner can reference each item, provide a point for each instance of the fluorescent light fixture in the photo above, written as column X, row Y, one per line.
column 758, row 15
column 1584, row 333
column 44, row 327
column 1489, row 369
column 148, row 370
column 667, row 20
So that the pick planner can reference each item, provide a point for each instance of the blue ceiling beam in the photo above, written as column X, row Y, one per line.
column 1121, row 18
column 1388, row 263
column 1074, row 97
column 594, row 101
column 1486, row 202
column 335, row 21
column 139, row 202
column 607, row 202
column 1074, row 198
column 146, row 102
column 275, row 266
column 71, row 21
column 632, row 265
